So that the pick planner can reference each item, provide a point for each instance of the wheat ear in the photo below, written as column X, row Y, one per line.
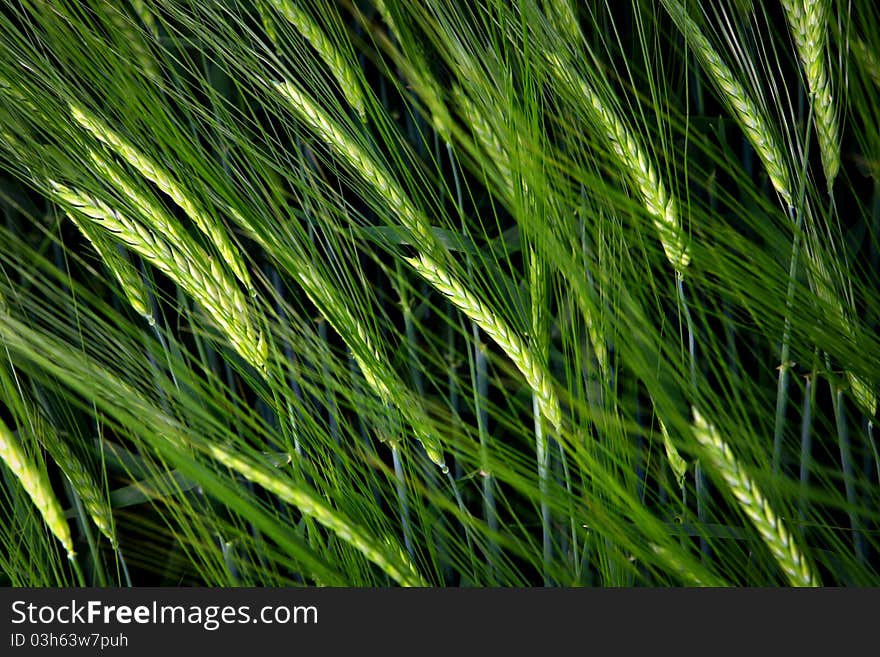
column 130, row 281
column 751, row 500
column 685, row 571
column 633, row 158
column 563, row 13
column 808, row 22
column 487, row 136
column 36, row 484
column 359, row 161
column 383, row 381
column 194, row 270
column 81, row 480
column 392, row 560
column 867, row 59
column 146, row 16
column 346, row 75
column 745, row 110
column 150, row 170
column 496, row 328
column 676, row 462
column 426, row 266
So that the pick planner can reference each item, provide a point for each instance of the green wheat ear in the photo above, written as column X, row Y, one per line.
column 636, row 163
column 35, row 482
column 512, row 345
column 346, row 75
column 676, row 462
column 746, row 111
column 93, row 499
column 149, row 169
column 776, row 535
column 385, row 554
column 130, row 281
column 808, row 21
column 185, row 263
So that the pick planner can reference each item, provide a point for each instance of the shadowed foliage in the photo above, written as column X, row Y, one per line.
column 380, row 293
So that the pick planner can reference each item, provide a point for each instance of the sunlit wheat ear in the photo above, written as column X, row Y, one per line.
column 751, row 500
column 426, row 266
column 563, row 13
column 863, row 394
column 130, row 281
column 359, row 161
column 867, row 59
column 143, row 12
column 808, row 22
column 193, row 270
column 345, row 74
column 496, row 328
column 36, row 484
column 93, row 499
column 392, row 560
column 134, row 40
column 746, row 111
column 487, row 137
column 635, row 162
column 684, row 571
column 676, row 462
column 159, row 176
column 383, row 382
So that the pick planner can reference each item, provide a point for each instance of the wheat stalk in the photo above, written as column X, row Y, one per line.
column 637, row 164
column 194, row 270
column 754, row 504
column 746, row 111
column 391, row 559
column 148, row 168
column 808, row 22
column 36, row 484
column 496, row 328
column 346, row 75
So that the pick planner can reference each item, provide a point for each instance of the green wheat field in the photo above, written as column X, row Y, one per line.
column 446, row 293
